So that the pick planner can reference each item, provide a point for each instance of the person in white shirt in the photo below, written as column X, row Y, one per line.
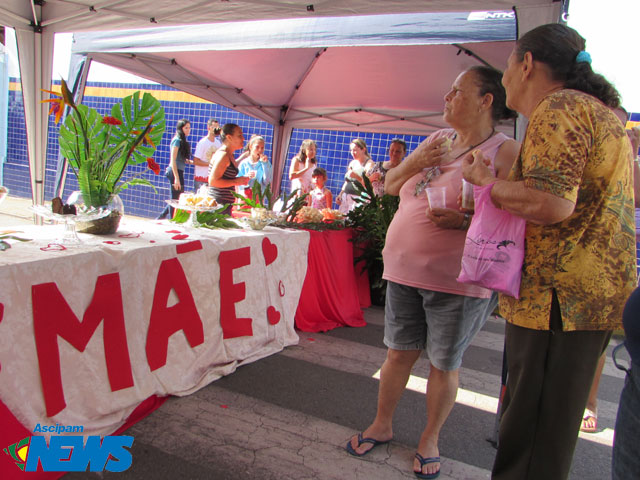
column 205, row 149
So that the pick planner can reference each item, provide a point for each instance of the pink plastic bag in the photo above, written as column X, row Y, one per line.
column 494, row 248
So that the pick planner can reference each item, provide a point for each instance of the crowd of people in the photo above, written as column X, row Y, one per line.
column 216, row 167
column 573, row 178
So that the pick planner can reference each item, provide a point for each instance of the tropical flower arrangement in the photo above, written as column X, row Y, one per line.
column 99, row 148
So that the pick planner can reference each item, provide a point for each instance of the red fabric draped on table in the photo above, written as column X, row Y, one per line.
column 330, row 295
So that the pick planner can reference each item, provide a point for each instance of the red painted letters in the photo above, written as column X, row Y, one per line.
column 52, row 317
column 231, row 293
column 165, row 321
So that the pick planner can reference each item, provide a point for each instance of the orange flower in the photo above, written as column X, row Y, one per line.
column 146, row 138
column 151, row 163
column 66, row 98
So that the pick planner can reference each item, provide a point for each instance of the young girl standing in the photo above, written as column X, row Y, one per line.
column 320, row 197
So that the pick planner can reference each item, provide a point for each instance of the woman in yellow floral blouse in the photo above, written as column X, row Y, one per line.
column 573, row 184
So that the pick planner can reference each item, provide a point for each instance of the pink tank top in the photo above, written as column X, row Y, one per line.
column 417, row 252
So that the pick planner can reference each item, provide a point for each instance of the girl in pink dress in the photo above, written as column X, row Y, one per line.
column 320, row 197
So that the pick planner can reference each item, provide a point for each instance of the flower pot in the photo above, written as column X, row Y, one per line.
column 101, row 226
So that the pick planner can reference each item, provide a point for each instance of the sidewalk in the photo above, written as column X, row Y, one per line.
column 15, row 211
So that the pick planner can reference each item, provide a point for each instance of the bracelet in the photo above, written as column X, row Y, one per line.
column 465, row 222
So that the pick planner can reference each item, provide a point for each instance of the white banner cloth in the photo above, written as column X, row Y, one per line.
column 162, row 270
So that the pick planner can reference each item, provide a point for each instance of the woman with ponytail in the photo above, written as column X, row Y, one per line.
column 573, row 184
column 180, row 155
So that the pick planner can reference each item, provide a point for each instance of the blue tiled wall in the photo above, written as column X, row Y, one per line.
column 333, row 148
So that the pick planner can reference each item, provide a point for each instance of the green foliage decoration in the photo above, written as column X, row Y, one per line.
column 99, row 149
column 370, row 220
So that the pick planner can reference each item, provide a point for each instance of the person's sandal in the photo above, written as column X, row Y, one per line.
column 362, row 440
column 588, row 419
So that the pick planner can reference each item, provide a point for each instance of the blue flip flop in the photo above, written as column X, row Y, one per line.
column 423, row 461
column 362, row 440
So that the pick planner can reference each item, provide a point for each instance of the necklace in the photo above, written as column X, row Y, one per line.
column 431, row 172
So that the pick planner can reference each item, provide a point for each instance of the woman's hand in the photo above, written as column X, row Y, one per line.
column 242, row 180
column 429, row 154
column 264, row 158
column 445, row 217
column 176, row 183
column 475, row 169
column 374, row 177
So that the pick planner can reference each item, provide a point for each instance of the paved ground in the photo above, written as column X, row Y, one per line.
column 288, row 416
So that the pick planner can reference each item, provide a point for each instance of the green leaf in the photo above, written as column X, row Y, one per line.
column 99, row 153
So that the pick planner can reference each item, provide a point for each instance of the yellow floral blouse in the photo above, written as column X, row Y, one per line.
column 575, row 148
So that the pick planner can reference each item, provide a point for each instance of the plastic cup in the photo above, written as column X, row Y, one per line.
column 252, row 174
column 467, row 195
column 437, row 197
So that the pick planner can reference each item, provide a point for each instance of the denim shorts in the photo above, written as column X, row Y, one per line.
column 443, row 323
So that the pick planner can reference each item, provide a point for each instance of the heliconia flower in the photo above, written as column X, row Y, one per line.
column 66, row 93
column 145, row 133
column 66, row 98
column 151, row 163
column 57, row 106
column 111, row 120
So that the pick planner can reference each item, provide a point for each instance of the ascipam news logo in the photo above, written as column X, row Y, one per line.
column 70, row 453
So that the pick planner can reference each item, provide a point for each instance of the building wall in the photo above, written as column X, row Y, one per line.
column 333, row 146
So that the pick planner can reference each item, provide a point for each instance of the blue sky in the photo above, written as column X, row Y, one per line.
column 612, row 31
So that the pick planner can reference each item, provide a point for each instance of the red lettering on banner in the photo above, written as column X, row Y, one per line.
column 165, row 321
column 231, row 293
column 53, row 318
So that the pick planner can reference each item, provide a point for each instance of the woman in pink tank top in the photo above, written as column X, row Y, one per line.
column 425, row 307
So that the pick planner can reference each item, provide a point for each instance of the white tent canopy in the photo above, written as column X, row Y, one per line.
column 36, row 22
column 376, row 73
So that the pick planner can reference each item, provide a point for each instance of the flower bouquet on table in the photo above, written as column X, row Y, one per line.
column 267, row 209
column 100, row 148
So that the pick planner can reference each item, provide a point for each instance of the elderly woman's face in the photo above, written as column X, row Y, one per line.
column 396, row 153
column 463, row 101
column 509, row 80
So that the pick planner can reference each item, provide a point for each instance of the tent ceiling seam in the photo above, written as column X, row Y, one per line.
column 18, row 18
column 80, row 12
column 299, row 83
column 197, row 7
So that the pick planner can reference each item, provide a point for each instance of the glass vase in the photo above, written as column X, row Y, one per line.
column 101, row 226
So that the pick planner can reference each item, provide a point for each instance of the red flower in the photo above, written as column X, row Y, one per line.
column 151, row 163
column 111, row 121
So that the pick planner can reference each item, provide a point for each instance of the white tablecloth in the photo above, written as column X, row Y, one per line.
column 165, row 280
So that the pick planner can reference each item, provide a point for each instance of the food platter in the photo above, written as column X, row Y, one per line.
column 193, row 211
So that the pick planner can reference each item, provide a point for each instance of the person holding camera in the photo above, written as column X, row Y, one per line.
column 205, row 149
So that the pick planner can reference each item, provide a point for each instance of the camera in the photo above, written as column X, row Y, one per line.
column 216, row 131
